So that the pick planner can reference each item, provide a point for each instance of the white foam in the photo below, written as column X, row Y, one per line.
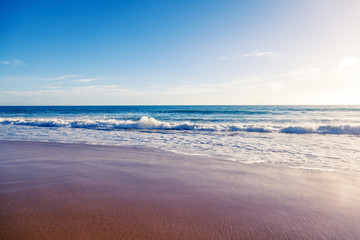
column 329, row 129
column 315, row 151
column 150, row 123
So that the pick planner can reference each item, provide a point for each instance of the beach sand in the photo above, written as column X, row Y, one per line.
column 78, row 191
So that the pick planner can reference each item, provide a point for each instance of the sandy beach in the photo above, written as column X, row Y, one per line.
column 77, row 191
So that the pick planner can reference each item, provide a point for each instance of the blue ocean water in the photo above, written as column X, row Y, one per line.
column 312, row 137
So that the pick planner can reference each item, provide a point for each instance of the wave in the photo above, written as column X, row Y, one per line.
column 149, row 123
column 109, row 124
column 341, row 129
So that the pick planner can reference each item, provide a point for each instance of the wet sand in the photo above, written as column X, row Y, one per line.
column 77, row 191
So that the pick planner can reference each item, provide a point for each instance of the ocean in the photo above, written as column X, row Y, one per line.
column 322, row 138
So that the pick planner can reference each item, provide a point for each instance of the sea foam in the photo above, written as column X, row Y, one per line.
column 150, row 123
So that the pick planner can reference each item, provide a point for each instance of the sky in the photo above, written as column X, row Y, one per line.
column 179, row 52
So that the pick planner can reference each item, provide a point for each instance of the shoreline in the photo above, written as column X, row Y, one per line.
column 205, row 157
column 81, row 191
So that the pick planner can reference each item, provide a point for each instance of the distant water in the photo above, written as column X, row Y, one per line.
column 312, row 137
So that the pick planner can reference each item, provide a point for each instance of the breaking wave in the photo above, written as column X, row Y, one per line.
column 149, row 123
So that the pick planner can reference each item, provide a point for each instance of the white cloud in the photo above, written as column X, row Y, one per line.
column 260, row 54
column 223, row 58
column 102, row 90
column 33, row 93
column 183, row 90
column 75, row 78
column 18, row 62
column 156, row 86
column 251, row 54
column 86, row 79
column 14, row 62
column 348, row 63
column 53, row 87
column 75, row 91
column 67, row 76
column 111, row 90
column 274, row 83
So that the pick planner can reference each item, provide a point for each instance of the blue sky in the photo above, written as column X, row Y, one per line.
column 179, row 52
